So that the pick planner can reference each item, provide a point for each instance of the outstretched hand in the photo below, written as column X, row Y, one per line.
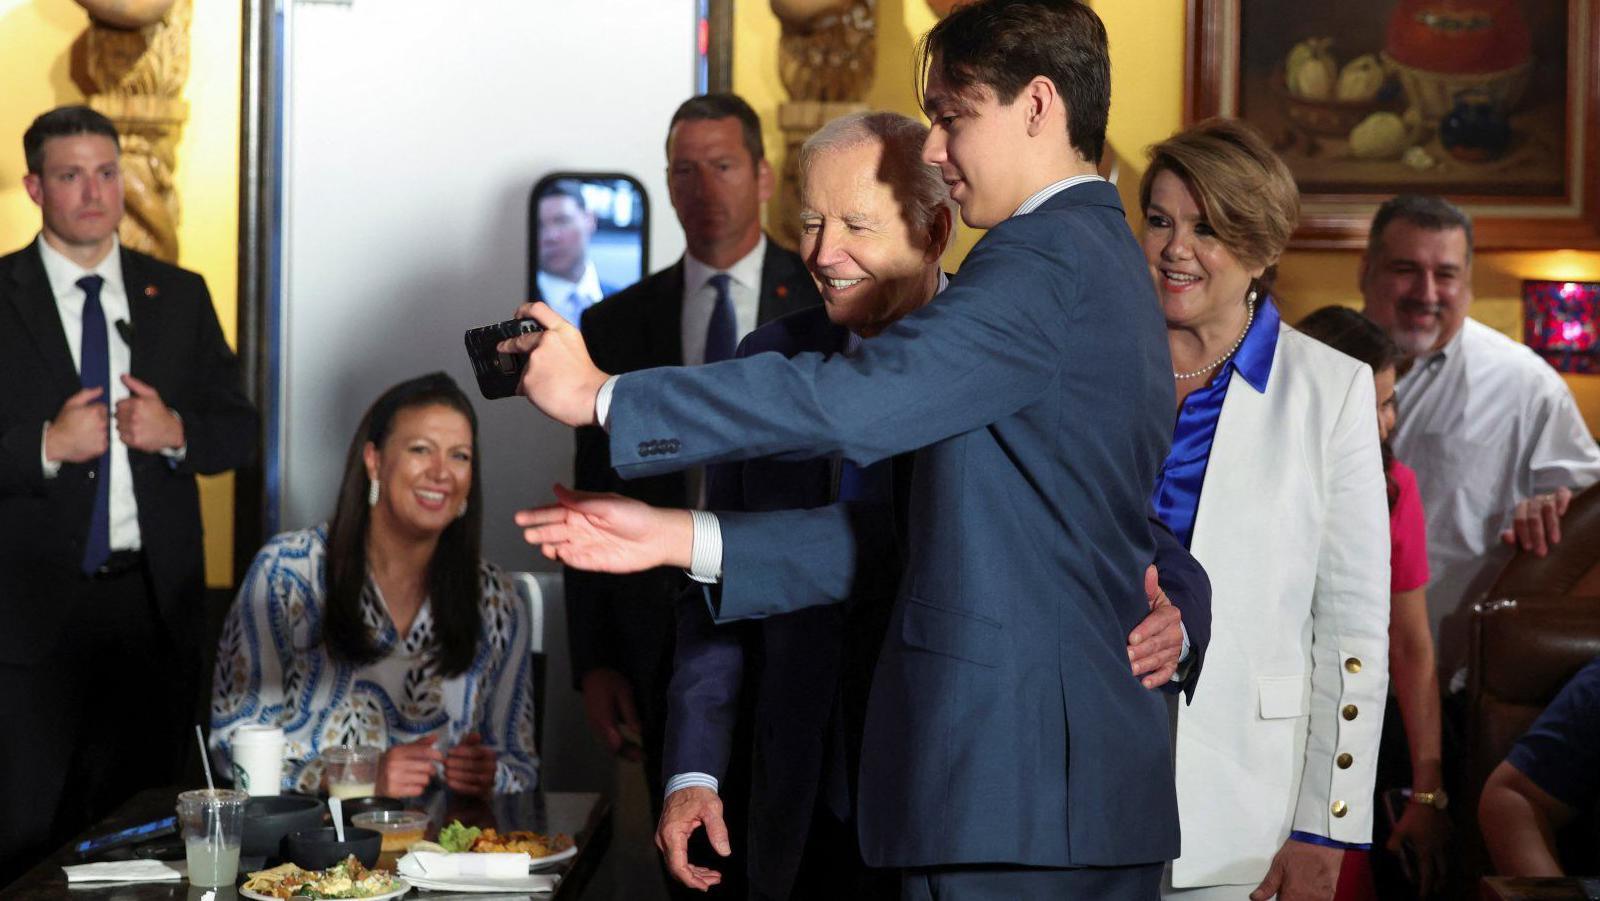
column 559, row 377
column 608, row 532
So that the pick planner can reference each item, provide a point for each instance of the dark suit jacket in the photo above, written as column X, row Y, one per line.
column 178, row 348
column 625, row 622
column 811, row 668
column 1038, row 389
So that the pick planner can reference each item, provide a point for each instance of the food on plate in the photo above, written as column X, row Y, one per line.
column 346, row 879
column 533, row 844
column 456, row 837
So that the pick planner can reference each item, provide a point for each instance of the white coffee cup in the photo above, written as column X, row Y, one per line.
column 258, row 759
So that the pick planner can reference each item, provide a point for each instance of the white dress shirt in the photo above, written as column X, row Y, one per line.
column 570, row 298
column 1051, row 190
column 63, row 275
column 700, row 299
column 1486, row 423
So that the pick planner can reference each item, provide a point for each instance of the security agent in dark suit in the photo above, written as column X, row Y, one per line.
column 118, row 389
column 1008, row 752
column 731, row 279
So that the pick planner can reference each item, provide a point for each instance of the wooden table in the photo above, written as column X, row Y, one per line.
column 586, row 816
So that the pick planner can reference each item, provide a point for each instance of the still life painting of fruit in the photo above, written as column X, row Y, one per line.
column 1465, row 97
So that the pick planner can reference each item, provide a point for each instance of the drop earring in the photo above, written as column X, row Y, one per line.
column 372, row 492
column 463, row 511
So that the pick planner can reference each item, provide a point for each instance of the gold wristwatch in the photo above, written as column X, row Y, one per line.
column 1437, row 799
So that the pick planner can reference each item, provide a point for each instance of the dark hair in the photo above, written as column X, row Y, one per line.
column 454, row 592
column 708, row 107
column 565, row 187
column 1426, row 211
column 1354, row 335
column 1004, row 44
column 63, row 122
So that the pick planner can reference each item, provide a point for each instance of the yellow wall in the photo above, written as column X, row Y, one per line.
column 1147, row 47
column 35, row 38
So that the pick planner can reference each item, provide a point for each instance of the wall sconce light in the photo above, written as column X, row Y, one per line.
column 1561, row 322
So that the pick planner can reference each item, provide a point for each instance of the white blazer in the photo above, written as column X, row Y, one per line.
column 1293, row 529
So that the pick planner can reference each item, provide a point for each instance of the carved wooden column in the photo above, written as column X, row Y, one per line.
column 826, row 58
column 134, row 64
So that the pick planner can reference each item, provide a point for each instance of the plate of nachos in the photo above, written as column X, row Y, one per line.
column 344, row 880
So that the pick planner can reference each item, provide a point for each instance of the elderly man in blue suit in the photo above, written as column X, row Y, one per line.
column 1008, row 750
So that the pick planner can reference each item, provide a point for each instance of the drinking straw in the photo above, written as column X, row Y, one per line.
column 215, row 843
column 336, row 808
column 204, row 760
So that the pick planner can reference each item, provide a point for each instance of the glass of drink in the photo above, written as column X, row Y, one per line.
column 352, row 772
column 212, row 822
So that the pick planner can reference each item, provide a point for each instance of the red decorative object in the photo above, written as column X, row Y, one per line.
column 1459, row 37
column 1561, row 322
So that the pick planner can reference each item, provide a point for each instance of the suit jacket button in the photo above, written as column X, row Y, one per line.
column 1349, row 711
column 1352, row 665
column 1339, row 809
column 1344, row 761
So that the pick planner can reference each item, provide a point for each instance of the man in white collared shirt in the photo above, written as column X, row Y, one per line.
column 1497, row 442
column 119, row 387
column 567, row 279
column 731, row 279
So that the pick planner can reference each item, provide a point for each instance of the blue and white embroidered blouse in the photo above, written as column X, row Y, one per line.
column 273, row 669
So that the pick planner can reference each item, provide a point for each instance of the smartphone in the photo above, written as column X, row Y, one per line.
column 498, row 373
column 129, row 836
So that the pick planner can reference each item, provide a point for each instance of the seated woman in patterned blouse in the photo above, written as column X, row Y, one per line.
column 386, row 628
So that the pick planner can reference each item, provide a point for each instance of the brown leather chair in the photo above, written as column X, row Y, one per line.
column 1539, row 626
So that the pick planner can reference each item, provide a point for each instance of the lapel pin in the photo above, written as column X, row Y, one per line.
column 150, row 291
column 783, row 291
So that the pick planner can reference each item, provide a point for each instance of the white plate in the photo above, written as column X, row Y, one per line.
column 549, row 859
column 401, row 887
column 534, row 882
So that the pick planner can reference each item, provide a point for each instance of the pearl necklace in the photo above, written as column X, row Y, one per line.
column 1250, row 316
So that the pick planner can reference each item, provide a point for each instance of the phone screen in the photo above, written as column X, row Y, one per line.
column 127, row 836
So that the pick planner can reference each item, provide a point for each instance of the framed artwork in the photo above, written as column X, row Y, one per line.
column 1492, row 103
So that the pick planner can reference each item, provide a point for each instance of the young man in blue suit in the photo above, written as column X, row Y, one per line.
column 875, row 223
column 1008, row 750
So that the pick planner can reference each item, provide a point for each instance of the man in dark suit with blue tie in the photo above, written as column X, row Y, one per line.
column 118, row 389
column 1008, row 751
column 731, row 279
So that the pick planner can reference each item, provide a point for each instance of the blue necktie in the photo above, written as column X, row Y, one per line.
column 722, row 333
column 94, row 371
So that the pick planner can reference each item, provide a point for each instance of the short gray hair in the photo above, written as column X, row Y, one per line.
column 918, row 186
column 1429, row 212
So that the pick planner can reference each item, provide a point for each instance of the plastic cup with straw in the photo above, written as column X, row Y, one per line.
column 210, row 818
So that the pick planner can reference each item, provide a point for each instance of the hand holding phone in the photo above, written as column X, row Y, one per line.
column 498, row 373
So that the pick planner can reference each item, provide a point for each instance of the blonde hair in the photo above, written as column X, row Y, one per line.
column 1248, row 194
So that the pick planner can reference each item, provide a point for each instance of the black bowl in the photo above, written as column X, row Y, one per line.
column 318, row 849
column 268, row 819
column 353, row 806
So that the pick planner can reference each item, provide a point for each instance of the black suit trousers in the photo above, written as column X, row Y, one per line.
column 106, row 713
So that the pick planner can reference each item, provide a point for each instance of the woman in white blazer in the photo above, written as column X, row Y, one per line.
column 1275, row 481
